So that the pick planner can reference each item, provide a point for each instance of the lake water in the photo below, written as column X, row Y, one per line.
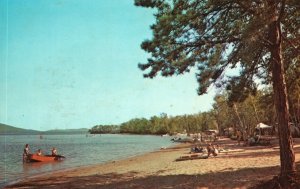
column 80, row 150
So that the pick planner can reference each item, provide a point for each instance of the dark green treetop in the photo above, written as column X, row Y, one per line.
column 217, row 35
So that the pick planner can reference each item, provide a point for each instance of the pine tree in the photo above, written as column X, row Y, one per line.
column 217, row 35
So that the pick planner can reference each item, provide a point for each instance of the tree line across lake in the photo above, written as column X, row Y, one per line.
column 228, row 111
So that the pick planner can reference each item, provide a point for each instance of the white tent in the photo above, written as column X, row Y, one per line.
column 263, row 126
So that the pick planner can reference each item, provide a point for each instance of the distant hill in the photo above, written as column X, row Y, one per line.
column 66, row 131
column 10, row 130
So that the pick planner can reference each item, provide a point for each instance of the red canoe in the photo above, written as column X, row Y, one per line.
column 44, row 158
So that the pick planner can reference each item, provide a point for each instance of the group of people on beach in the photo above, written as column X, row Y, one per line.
column 248, row 140
column 211, row 149
column 26, row 152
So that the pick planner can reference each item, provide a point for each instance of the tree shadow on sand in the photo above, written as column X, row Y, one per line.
column 229, row 178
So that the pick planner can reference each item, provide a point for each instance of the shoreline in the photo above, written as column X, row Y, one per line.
column 91, row 166
column 158, row 169
column 89, row 155
column 69, row 169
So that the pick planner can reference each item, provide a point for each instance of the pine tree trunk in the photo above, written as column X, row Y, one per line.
column 237, row 114
column 254, row 108
column 298, row 111
column 287, row 156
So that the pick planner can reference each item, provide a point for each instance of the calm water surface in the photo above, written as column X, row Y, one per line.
column 79, row 150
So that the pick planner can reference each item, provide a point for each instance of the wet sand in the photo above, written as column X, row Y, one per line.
column 239, row 167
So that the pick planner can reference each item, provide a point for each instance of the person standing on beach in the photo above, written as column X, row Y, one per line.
column 239, row 136
column 26, row 153
column 211, row 150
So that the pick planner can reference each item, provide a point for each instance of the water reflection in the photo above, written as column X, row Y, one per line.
column 40, row 167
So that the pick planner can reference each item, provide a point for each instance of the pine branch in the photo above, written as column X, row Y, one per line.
column 297, row 50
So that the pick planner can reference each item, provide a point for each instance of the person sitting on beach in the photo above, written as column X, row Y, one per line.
column 197, row 149
column 39, row 152
column 220, row 148
column 53, row 152
column 26, row 152
column 216, row 149
column 251, row 141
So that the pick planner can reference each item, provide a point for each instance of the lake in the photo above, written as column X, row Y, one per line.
column 80, row 150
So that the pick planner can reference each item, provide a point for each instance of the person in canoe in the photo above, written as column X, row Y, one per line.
column 26, row 152
column 54, row 152
column 39, row 152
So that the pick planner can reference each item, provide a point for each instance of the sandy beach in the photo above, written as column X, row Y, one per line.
column 237, row 167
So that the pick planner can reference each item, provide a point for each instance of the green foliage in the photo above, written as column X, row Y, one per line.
column 159, row 125
column 293, row 87
column 216, row 36
column 246, row 114
column 136, row 126
column 105, row 129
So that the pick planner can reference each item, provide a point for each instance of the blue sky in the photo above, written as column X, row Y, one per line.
column 73, row 64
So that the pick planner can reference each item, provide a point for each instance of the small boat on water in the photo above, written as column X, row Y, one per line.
column 44, row 158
